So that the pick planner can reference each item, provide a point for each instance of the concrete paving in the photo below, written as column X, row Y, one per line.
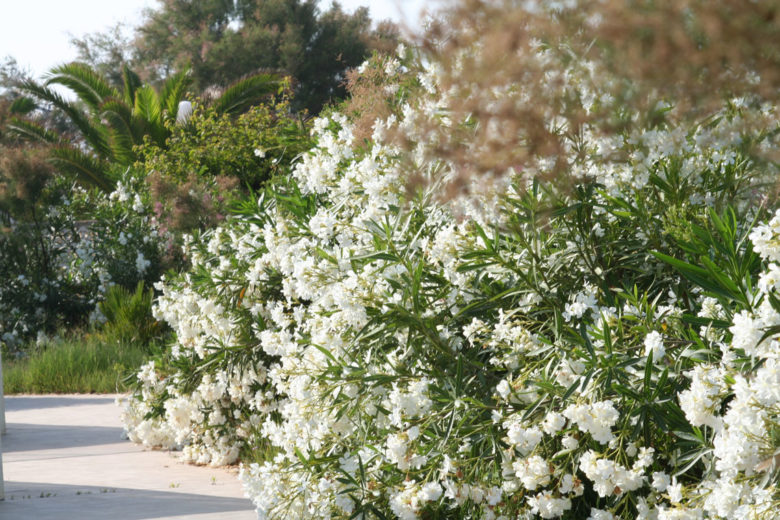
column 64, row 459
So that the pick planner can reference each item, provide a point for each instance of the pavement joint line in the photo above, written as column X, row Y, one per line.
column 10, row 459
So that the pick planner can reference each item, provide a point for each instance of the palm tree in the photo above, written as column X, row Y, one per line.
column 111, row 122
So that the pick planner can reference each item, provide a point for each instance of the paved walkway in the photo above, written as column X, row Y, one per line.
column 64, row 459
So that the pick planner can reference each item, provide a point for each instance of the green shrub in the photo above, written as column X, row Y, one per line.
column 602, row 348
column 62, row 247
column 214, row 158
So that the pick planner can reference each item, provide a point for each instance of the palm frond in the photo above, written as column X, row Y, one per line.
column 173, row 90
column 124, row 130
column 89, row 86
column 31, row 131
column 89, row 169
column 22, row 105
column 93, row 134
column 147, row 104
column 131, row 83
column 147, row 108
column 246, row 92
column 120, row 115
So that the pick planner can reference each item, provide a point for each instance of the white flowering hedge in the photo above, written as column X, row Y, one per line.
column 56, row 272
column 603, row 350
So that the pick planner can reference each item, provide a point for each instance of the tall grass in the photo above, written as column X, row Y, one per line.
column 87, row 363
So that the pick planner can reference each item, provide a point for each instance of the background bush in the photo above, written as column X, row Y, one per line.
column 73, row 362
column 63, row 247
column 215, row 159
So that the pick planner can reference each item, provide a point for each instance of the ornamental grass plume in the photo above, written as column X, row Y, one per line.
column 23, row 175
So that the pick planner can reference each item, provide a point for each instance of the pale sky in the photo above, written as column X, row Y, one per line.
column 37, row 32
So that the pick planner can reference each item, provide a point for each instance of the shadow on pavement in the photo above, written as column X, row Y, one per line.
column 29, row 437
column 41, row 501
column 29, row 402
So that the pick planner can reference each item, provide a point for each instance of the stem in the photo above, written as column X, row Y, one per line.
column 44, row 257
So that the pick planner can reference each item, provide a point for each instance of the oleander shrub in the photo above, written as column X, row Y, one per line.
column 554, row 354
column 62, row 247
column 601, row 345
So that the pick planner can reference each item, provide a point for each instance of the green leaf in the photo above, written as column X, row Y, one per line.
column 720, row 276
column 131, row 83
column 147, row 104
column 90, row 170
column 325, row 256
column 124, row 131
column 93, row 132
column 326, row 353
column 648, row 381
column 705, row 278
column 173, row 90
column 301, row 457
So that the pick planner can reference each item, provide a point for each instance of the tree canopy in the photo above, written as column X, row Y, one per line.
column 221, row 41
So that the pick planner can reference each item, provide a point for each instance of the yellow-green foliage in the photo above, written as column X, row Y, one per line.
column 212, row 145
column 208, row 162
